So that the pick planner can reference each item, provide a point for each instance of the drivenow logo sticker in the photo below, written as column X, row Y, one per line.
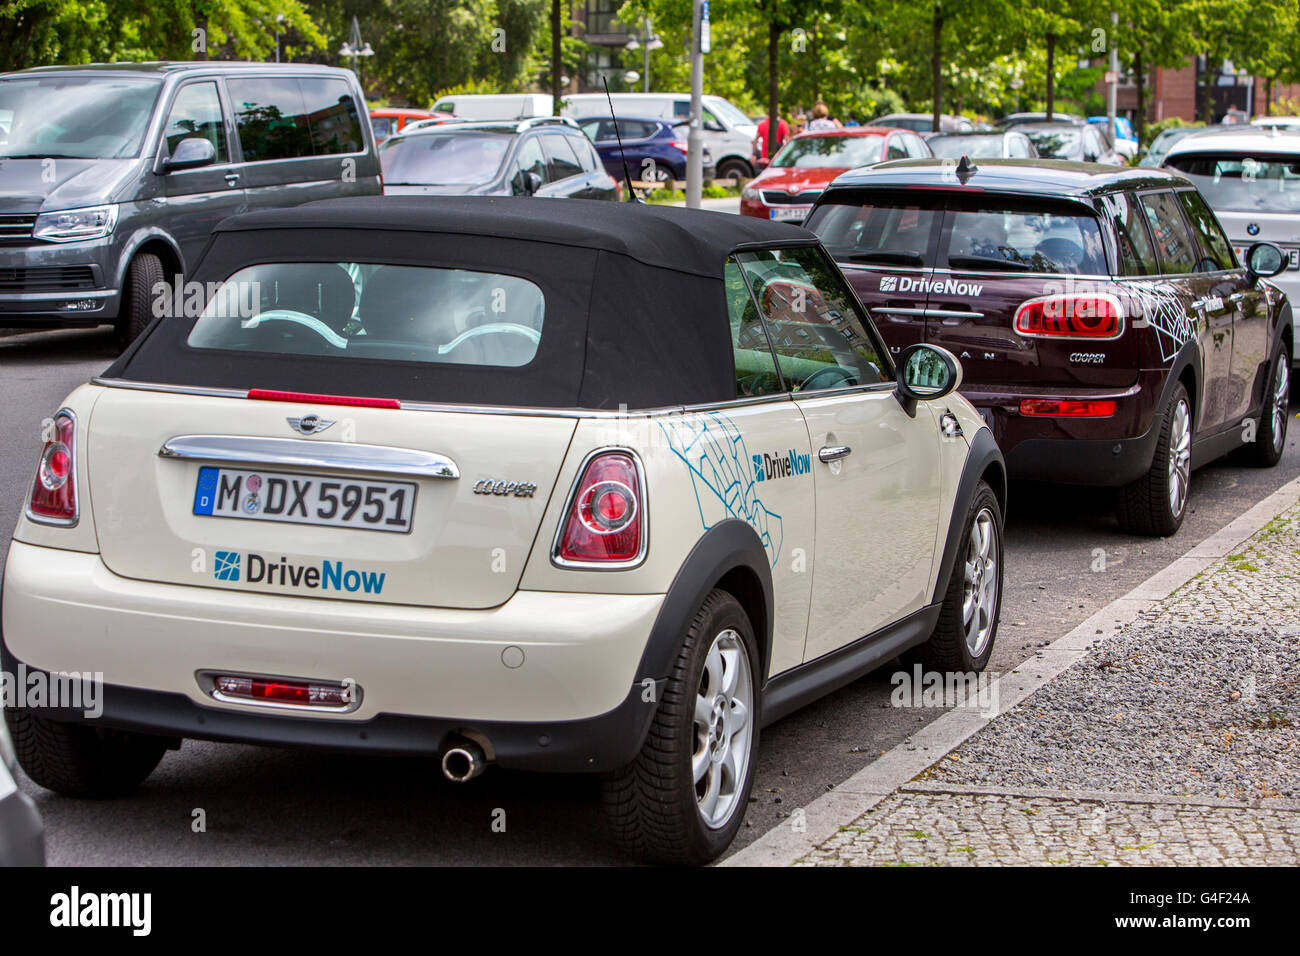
column 781, row 466
column 327, row 576
column 948, row 286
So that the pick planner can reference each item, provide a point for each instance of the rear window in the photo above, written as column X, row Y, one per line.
column 467, row 157
column 1055, row 143
column 375, row 312
column 1244, row 183
column 1011, row 235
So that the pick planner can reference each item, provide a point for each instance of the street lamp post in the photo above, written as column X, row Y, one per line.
column 650, row 42
column 355, row 48
column 279, row 20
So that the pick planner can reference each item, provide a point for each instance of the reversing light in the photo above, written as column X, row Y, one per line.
column 273, row 395
column 1090, row 316
column 1068, row 408
column 54, row 489
column 605, row 522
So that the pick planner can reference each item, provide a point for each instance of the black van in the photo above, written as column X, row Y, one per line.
column 112, row 176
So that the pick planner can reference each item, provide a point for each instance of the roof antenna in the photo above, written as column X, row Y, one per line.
column 631, row 193
column 966, row 169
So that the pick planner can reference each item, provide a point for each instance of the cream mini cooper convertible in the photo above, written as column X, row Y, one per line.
column 568, row 486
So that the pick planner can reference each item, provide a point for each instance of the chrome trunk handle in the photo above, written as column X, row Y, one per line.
column 302, row 453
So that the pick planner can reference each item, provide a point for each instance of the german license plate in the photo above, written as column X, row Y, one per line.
column 789, row 213
column 305, row 499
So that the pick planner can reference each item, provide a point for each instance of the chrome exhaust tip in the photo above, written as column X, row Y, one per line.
column 463, row 761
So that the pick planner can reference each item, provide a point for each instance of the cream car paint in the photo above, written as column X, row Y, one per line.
column 582, row 631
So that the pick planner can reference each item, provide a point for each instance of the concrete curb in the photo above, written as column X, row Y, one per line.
column 822, row 819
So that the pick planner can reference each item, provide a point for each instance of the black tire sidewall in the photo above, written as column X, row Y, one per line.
column 725, row 614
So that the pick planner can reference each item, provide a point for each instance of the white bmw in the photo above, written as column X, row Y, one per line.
column 577, row 486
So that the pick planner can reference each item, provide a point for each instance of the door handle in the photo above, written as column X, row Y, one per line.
column 232, row 178
column 830, row 453
column 1237, row 297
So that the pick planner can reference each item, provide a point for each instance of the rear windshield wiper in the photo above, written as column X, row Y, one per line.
column 992, row 262
column 885, row 255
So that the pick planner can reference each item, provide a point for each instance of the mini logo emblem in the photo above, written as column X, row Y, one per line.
column 1253, row 228
column 227, row 566
column 888, row 283
column 309, row 424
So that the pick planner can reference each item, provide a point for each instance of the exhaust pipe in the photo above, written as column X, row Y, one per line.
column 463, row 761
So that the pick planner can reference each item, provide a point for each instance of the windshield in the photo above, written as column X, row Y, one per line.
column 1239, row 183
column 729, row 113
column 462, row 158
column 1054, row 143
column 821, row 152
column 75, row 117
column 976, row 147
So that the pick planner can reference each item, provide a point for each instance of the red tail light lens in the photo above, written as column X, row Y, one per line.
column 54, row 490
column 684, row 147
column 606, row 522
column 309, row 398
column 1068, row 408
column 1071, row 316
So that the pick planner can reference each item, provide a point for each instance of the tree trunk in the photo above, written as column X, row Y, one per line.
column 1051, row 74
column 1139, row 81
column 557, row 66
column 773, row 93
column 936, row 62
column 1268, row 96
column 1207, row 97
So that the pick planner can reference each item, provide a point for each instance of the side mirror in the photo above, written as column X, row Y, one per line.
column 190, row 154
column 532, row 183
column 925, row 372
column 1265, row 260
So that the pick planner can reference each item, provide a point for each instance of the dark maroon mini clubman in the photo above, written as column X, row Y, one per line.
column 1105, row 327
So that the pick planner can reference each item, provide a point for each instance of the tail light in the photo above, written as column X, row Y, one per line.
column 54, row 489
column 311, row 398
column 678, row 144
column 1068, row 408
column 604, row 524
column 1071, row 316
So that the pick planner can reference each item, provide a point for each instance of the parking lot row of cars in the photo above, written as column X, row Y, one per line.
column 448, row 478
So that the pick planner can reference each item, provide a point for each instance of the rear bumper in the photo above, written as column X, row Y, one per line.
column 1107, row 452
column 573, row 703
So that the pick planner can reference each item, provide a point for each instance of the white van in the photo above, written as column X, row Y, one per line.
column 728, row 132
column 496, row 106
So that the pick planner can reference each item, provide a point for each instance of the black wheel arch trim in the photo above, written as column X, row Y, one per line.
column 984, row 452
column 728, row 547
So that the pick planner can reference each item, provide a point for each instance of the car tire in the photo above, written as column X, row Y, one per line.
column 136, row 312
column 79, row 760
column 1156, row 503
column 962, row 641
column 654, row 805
column 1270, row 430
column 660, row 173
column 734, row 169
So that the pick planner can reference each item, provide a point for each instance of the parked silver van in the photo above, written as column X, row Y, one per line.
column 728, row 133
column 112, row 176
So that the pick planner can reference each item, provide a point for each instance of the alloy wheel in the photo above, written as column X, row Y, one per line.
column 724, row 716
column 979, row 600
column 1180, row 456
column 1281, row 400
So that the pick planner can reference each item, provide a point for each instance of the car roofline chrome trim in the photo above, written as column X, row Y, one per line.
column 307, row 453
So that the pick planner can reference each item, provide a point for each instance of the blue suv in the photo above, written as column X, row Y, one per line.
column 655, row 148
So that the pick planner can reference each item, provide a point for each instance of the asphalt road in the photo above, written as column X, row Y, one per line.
column 274, row 806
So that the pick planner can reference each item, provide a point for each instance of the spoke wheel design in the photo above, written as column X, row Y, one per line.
column 1180, row 456
column 980, row 591
column 724, row 707
column 1281, row 400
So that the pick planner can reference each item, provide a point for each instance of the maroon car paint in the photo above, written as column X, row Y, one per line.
column 1222, row 353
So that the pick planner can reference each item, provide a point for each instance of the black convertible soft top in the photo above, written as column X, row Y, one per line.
column 636, row 313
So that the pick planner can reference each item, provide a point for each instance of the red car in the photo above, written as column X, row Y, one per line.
column 805, row 166
column 388, row 121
